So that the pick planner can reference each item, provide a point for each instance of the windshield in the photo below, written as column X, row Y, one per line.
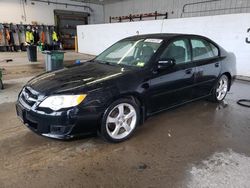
column 131, row 52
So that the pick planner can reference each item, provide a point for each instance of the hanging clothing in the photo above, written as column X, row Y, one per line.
column 11, row 41
column 1, row 38
column 43, row 37
column 36, row 37
column 54, row 36
column 21, row 34
column 16, row 36
column 7, row 36
column 48, row 35
column 29, row 37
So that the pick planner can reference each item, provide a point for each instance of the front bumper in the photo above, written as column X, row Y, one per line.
column 67, row 124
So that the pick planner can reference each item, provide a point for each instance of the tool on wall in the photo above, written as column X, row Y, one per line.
column 138, row 17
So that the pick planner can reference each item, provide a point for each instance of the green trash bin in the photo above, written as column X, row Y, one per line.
column 32, row 53
column 53, row 60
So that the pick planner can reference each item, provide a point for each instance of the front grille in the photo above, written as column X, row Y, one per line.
column 29, row 96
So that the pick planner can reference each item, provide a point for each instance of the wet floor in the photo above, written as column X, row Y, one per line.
column 170, row 150
column 20, row 67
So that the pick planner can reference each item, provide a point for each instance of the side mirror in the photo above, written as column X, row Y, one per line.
column 165, row 63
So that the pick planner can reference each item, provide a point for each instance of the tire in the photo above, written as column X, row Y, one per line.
column 120, row 120
column 220, row 90
column 1, row 85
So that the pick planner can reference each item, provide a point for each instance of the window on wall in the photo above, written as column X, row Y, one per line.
column 178, row 50
column 203, row 49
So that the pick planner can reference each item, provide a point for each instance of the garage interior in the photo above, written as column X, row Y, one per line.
column 200, row 144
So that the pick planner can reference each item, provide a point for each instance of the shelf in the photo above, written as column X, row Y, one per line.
column 71, row 38
column 68, row 28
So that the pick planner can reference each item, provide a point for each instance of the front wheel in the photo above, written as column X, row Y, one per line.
column 120, row 120
column 221, row 89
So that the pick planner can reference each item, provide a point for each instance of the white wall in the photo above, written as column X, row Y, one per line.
column 95, row 38
column 11, row 12
column 229, row 31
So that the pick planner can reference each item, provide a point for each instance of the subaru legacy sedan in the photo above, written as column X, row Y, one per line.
column 135, row 78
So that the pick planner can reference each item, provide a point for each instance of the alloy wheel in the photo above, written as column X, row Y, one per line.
column 121, row 121
column 222, row 88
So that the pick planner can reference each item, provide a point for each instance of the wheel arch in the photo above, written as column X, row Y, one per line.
column 229, row 76
column 137, row 98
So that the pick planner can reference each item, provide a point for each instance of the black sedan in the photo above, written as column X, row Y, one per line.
column 130, row 81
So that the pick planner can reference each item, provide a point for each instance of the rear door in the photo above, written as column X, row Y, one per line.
column 207, row 58
column 174, row 85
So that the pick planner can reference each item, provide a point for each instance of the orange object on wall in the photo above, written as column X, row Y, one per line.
column 7, row 33
column 43, row 37
column 1, row 37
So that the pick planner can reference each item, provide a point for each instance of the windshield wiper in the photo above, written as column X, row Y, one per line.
column 106, row 62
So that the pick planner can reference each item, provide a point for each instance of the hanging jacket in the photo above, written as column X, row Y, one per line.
column 48, row 35
column 21, row 34
column 54, row 36
column 22, row 37
column 16, row 36
column 1, row 37
column 11, row 41
column 29, row 37
column 36, row 37
column 7, row 36
column 43, row 37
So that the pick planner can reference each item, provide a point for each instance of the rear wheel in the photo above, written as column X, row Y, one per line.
column 120, row 120
column 221, row 89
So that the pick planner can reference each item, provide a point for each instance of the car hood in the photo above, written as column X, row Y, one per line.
column 81, row 77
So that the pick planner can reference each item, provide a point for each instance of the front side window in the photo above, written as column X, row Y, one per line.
column 202, row 49
column 179, row 51
column 131, row 52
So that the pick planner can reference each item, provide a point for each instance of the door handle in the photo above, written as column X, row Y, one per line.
column 217, row 64
column 188, row 71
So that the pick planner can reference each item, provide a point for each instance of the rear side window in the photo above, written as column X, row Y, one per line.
column 203, row 49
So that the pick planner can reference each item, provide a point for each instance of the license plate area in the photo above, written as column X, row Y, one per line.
column 20, row 113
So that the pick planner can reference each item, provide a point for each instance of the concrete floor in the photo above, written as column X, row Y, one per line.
column 201, row 144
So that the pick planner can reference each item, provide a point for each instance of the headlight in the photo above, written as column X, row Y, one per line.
column 62, row 101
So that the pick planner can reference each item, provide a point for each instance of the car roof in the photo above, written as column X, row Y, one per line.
column 168, row 36
column 164, row 36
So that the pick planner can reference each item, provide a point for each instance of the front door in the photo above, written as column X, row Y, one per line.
column 173, row 85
